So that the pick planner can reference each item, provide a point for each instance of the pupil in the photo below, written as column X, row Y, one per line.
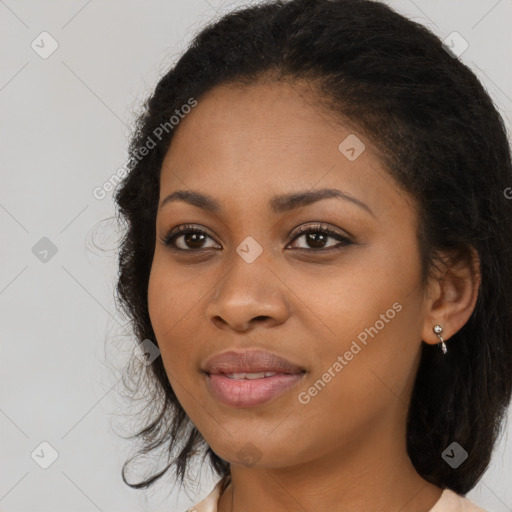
column 314, row 237
column 194, row 238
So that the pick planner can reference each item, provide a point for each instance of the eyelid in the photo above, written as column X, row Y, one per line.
column 321, row 226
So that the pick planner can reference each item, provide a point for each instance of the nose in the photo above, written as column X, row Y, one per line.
column 249, row 294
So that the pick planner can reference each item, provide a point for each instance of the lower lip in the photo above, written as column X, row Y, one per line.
column 250, row 392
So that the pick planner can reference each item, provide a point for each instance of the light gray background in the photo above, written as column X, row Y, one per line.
column 65, row 122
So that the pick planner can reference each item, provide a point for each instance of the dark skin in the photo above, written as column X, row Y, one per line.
column 345, row 449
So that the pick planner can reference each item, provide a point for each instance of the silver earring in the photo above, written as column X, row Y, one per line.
column 438, row 330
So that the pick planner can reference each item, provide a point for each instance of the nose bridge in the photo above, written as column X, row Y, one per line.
column 247, row 276
column 248, row 289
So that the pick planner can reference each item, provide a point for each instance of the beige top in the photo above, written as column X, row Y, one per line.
column 448, row 502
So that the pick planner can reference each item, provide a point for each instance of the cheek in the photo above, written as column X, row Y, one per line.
column 371, row 318
column 174, row 307
column 166, row 307
column 169, row 297
column 345, row 398
column 373, row 360
column 165, row 310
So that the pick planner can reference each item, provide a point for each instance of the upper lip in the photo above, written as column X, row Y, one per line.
column 250, row 361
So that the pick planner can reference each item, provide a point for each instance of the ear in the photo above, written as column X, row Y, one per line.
column 451, row 294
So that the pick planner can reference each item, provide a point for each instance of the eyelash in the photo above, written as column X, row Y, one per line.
column 186, row 229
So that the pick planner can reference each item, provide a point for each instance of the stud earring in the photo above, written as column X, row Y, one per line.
column 438, row 330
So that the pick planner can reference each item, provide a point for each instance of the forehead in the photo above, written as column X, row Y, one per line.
column 269, row 138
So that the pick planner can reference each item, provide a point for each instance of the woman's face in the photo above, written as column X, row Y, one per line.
column 351, row 314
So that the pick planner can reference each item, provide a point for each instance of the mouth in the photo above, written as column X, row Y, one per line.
column 251, row 377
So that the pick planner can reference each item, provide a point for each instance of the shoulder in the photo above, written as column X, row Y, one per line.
column 209, row 504
column 453, row 502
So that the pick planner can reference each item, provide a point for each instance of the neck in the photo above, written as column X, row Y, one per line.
column 375, row 476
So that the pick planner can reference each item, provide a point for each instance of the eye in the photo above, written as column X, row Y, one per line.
column 317, row 235
column 192, row 238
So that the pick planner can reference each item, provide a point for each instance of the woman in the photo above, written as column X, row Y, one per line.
column 319, row 244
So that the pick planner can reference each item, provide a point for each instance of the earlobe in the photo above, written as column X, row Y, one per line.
column 452, row 296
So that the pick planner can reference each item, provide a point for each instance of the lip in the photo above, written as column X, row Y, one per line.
column 250, row 361
column 250, row 392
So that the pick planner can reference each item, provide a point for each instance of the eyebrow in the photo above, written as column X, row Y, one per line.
column 278, row 204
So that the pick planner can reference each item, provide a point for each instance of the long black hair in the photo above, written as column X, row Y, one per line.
column 439, row 136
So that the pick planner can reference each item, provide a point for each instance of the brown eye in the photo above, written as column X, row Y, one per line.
column 189, row 238
column 186, row 238
column 316, row 238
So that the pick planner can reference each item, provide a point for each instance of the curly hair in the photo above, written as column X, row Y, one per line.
column 439, row 136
